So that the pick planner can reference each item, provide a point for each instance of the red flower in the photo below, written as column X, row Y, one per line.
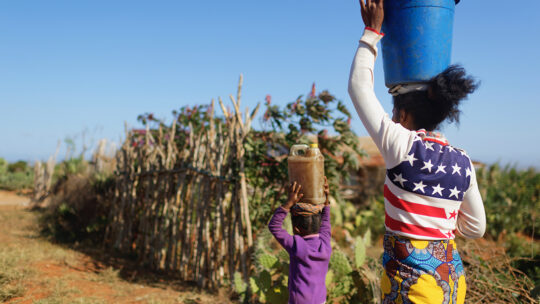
column 312, row 90
column 268, row 99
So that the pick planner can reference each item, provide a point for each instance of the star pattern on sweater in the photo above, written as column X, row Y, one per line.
column 399, row 178
column 424, row 167
column 438, row 189
column 456, row 169
column 419, row 186
column 410, row 158
column 427, row 165
column 454, row 192
column 440, row 168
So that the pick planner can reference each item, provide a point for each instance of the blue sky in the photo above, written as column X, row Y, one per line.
column 69, row 66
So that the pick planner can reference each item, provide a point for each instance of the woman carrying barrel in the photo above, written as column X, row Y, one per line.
column 430, row 191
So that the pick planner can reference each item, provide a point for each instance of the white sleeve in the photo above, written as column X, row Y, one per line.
column 471, row 221
column 392, row 139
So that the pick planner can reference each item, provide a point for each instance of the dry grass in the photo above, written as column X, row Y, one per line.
column 490, row 275
column 34, row 270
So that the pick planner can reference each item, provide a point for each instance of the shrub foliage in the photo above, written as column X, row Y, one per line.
column 15, row 176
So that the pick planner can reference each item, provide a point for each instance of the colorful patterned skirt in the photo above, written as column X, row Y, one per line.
column 419, row 271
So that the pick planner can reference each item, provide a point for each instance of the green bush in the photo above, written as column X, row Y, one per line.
column 71, row 166
column 15, row 176
column 358, row 220
column 315, row 118
column 512, row 201
column 511, row 198
column 78, row 211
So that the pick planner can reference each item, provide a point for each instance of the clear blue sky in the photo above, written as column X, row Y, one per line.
column 69, row 66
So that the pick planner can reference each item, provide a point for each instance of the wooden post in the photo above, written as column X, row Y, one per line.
column 186, row 208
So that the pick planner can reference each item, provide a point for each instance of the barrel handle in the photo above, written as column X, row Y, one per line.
column 296, row 148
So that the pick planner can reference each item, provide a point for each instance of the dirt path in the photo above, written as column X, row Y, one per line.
column 8, row 198
column 34, row 270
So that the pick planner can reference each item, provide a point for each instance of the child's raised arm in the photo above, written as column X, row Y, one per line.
column 325, row 231
column 275, row 225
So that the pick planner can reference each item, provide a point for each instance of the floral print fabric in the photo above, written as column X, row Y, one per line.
column 420, row 271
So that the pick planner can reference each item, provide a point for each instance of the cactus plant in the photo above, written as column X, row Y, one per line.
column 367, row 237
column 265, row 281
column 269, row 282
column 239, row 285
column 283, row 255
column 329, row 278
column 253, row 285
column 340, row 263
column 359, row 251
column 267, row 261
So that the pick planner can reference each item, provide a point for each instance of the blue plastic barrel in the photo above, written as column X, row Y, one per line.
column 418, row 39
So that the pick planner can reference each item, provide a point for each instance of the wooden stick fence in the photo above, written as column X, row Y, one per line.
column 43, row 174
column 184, row 208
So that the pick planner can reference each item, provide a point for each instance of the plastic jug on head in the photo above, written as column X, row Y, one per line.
column 306, row 167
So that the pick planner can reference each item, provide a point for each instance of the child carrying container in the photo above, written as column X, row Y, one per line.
column 309, row 248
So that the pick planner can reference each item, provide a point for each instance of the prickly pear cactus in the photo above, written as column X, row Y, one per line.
column 266, row 261
column 268, row 266
column 263, row 238
column 278, row 295
column 329, row 278
column 283, row 255
column 367, row 238
column 239, row 285
column 265, row 281
column 253, row 285
column 339, row 263
column 359, row 252
column 336, row 214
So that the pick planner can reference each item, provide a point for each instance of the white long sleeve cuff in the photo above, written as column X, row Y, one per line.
column 370, row 38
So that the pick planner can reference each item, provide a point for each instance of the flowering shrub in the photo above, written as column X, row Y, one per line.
column 316, row 118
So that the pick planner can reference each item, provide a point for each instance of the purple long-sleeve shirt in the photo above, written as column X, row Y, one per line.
column 309, row 258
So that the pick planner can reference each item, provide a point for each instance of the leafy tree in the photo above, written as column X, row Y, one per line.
column 188, row 119
column 316, row 118
column 18, row 166
column 15, row 176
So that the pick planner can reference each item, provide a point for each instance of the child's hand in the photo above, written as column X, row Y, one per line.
column 326, row 191
column 294, row 195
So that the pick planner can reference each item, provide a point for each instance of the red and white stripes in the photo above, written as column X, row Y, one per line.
column 427, row 218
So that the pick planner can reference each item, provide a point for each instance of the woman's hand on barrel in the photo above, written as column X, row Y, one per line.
column 294, row 195
column 372, row 13
column 326, row 192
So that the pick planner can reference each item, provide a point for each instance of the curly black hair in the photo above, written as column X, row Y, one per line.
column 441, row 101
column 309, row 224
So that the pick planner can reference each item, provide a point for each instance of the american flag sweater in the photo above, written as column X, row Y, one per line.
column 430, row 191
